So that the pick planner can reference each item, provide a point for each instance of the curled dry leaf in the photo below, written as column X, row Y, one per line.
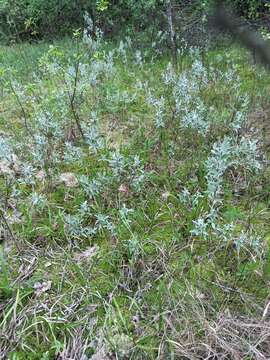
column 5, row 169
column 26, row 270
column 123, row 188
column 12, row 167
column 41, row 240
column 69, row 179
column 16, row 164
column 41, row 288
column 41, row 175
column 100, row 346
column 101, row 354
column 165, row 195
column 87, row 254
column 15, row 217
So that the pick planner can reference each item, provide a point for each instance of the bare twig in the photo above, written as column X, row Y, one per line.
column 22, row 110
column 72, row 100
column 72, row 96
column 4, row 220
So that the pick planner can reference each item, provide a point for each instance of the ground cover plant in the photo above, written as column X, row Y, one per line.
column 134, row 202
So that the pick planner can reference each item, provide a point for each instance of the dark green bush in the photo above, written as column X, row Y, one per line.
column 36, row 19
column 24, row 19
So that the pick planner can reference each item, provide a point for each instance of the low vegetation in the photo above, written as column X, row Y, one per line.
column 134, row 202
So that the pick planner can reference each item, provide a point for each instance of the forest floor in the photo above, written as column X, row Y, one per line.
column 134, row 203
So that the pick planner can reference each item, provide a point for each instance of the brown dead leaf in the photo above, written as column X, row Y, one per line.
column 26, row 270
column 101, row 354
column 41, row 288
column 100, row 346
column 69, row 179
column 5, row 169
column 12, row 167
column 165, row 195
column 123, row 188
column 16, row 164
column 41, row 175
column 87, row 254
column 15, row 217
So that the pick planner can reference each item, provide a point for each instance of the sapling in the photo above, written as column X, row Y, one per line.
column 72, row 95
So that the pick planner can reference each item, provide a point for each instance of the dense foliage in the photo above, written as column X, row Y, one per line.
column 35, row 19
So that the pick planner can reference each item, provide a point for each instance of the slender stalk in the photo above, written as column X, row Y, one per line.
column 171, row 30
column 2, row 216
column 72, row 96
column 22, row 110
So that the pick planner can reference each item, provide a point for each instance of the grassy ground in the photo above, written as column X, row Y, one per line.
column 147, row 237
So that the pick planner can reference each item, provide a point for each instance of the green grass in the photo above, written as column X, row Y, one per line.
column 149, row 290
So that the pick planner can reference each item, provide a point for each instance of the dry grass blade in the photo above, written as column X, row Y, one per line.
column 75, row 348
column 226, row 337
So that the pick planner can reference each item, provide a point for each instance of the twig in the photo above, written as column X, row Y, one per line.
column 22, row 109
column 72, row 96
column 2, row 216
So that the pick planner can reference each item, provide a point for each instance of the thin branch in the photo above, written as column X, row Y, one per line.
column 72, row 99
column 2, row 216
column 23, row 111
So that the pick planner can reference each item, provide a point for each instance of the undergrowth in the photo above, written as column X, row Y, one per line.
column 134, row 203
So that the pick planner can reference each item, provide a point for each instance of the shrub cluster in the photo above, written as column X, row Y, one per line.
column 36, row 19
